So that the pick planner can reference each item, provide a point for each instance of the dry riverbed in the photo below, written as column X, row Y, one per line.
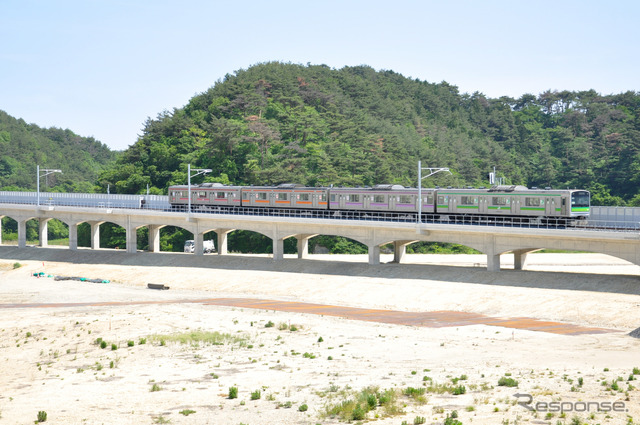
column 118, row 353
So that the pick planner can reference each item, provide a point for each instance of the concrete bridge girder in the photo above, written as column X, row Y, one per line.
column 491, row 241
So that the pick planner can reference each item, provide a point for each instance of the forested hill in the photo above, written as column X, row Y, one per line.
column 24, row 146
column 275, row 123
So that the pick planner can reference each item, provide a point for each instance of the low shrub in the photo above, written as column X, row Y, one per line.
column 507, row 382
column 233, row 392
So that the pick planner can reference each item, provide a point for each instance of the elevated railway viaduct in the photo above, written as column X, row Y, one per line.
column 490, row 240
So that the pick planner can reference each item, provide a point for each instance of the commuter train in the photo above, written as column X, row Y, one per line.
column 446, row 204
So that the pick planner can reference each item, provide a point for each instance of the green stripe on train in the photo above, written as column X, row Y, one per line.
column 531, row 209
column 467, row 207
column 579, row 209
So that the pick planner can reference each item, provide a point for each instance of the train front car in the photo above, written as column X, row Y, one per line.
column 580, row 204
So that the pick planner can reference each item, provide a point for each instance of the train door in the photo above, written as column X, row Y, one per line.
column 453, row 203
column 366, row 201
column 483, row 207
column 515, row 205
column 550, row 206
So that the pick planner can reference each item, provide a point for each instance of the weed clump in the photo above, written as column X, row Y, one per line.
column 233, row 392
column 360, row 404
column 507, row 382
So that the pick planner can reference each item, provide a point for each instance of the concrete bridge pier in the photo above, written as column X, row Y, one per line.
column 22, row 233
column 43, row 229
column 95, row 234
column 132, row 239
column 520, row 258
column 278, row 248
column 303, row 245
column 374, row 254
column 198, row 239
column 73, row 236
column 399, row 250
column 222, row 240
column 493, row 262
column 154, row 237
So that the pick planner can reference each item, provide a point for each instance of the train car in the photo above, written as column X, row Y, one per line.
column 388, row 198
column 285, row 196
column 205, row 196
column 514, row 201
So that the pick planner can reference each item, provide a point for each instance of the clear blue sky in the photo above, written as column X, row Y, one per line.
column 100, row 68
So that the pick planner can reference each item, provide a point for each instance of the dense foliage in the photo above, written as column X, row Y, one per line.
column 23, row 146
column 275, row 123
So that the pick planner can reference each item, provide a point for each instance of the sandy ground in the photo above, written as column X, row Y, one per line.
column 51, row 362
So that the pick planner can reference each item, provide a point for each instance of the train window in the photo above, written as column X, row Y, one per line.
column 221, row 194
column 262, row 196
column 443, row 200
column 202, row 194
column 333, row 198
column 533, row 202
column 429, row 199
column 323, row 197
column 468, row 200
column 354, row 198
column 245, row 195
column 282, row 196
column 378, row 198
column 500, row 200
column 405, row 199
column 304, row 196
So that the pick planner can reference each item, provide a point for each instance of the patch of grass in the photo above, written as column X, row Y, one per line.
column 359, row 404
column 451, row 421
column 187, row 412
column 461, row 378
column 255, row 395
column 114, row 347
column 507, row 382
column 303, row 408
column 130, row 343
column 233, row 392
column 460, row 389
column 414, row 392
column 193, row 338
column 155, row 387
column 42, row 416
